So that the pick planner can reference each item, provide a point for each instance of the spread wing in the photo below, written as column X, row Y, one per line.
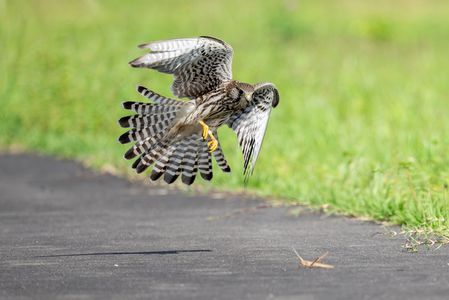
column 250, row 123
column 199, row 65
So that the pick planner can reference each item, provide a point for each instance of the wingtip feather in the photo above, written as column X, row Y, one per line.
column 138, row 62
column 144, row 46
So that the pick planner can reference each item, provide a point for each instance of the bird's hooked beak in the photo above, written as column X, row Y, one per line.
column 248, row 96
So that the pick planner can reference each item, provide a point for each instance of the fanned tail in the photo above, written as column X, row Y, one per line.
column 171, row 159
column 182, row 159
column 150, row 123
column 186, row 158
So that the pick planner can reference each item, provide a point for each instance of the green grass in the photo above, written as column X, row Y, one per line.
column 363, row 121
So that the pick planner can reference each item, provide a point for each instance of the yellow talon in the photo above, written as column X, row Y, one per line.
column 205, row 130
column 213, row 144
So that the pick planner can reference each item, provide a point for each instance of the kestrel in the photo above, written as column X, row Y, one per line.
column 179, row 137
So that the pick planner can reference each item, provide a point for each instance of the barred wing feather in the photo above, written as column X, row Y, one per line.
column 250, row 124
column 199, row 65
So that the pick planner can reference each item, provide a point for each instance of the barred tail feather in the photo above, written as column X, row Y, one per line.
column 151, row 119
column 168, row 164
column 150, row 157
column 142, row 121
column 175, row 165
column 161, row 165
column 220, row 158
column 143, row 146
column 156, row 98
column 144, row 108
column 142, row 134
column 150, row 123
column 180, row 158
column 205, row 161
column 190, row 161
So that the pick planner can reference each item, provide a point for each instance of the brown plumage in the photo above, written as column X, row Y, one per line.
column 177, row 137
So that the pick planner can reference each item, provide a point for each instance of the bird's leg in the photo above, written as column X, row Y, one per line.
column 205, row 129
column 213, row 144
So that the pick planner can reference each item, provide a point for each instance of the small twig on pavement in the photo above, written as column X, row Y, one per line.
column 316, row 263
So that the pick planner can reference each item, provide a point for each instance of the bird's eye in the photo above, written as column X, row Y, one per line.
column 235, row 93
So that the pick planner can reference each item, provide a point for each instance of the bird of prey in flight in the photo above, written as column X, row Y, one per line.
column 177, row 137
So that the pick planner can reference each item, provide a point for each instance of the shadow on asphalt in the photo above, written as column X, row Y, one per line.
column 163, row 252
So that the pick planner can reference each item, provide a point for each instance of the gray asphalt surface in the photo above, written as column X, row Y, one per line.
column 68, row 233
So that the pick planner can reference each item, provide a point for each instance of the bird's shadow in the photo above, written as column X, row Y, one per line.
column 162, row 252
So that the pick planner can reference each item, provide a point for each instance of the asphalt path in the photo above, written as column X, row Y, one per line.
column 69, row 233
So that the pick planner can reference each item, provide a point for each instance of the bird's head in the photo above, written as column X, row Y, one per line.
column 242, row 91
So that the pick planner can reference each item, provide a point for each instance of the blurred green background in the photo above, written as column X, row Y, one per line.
column 363, row 121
